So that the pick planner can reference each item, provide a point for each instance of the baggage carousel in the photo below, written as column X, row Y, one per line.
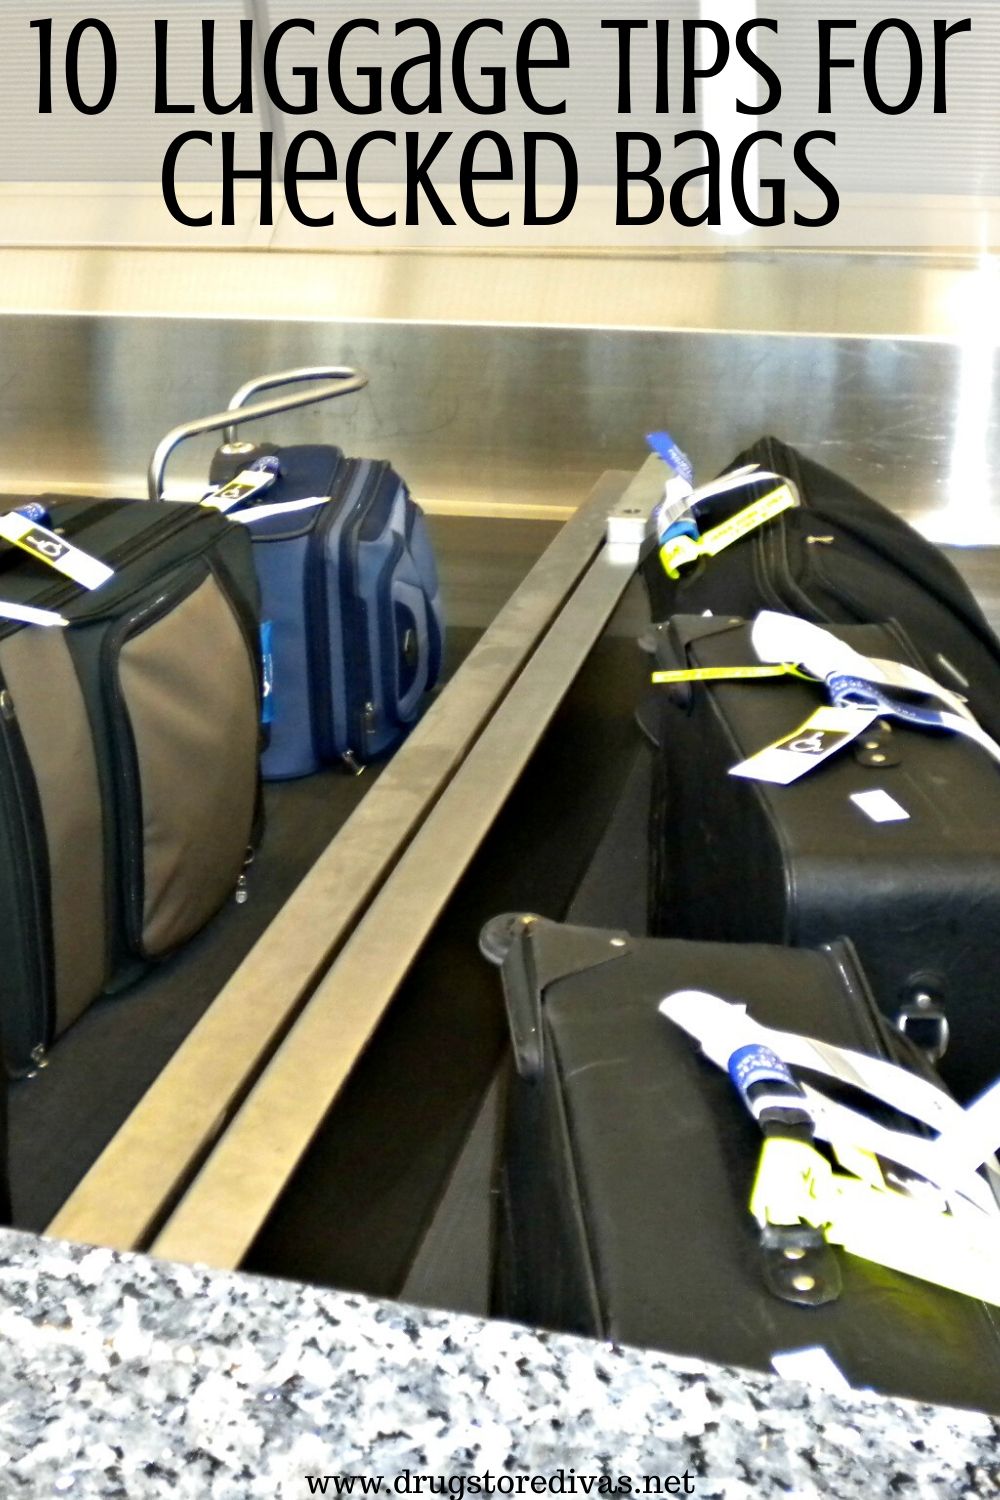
column 305, row 1099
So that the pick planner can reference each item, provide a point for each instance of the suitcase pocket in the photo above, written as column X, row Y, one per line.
column 182, row 679
column 405, row 648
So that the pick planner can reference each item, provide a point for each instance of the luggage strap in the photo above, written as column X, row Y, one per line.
column 912, row 1202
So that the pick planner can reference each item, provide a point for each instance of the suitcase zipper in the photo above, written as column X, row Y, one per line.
column 360, row 673
column 356, row 689
column 389, row 677
column 24, row 818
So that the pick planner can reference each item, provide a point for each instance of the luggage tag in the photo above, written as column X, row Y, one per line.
column 729, row 674
column 825, row 732
column 682, row 551
column 939, row 1224
column 750, row 1052
column 286, row 508
column 868, row 684
column 248, row 486
column 47, row 547
column 25, row 614
column 673, row 509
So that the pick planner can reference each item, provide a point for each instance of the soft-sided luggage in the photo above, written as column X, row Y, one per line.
column 350, row 598
column 840, row 557
column 747, row 861
column 628, row 1162
column 129, row 751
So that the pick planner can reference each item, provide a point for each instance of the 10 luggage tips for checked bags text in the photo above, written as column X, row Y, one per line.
column 364, row 68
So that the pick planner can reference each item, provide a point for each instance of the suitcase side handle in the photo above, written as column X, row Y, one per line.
column 342, row 381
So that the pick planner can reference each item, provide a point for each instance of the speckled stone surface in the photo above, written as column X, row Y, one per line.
column 120, row 1376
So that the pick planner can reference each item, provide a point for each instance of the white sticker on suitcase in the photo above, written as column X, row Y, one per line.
column 812, row 1367
column 880, row 807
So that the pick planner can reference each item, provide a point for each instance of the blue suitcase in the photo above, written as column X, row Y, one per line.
column 351, row 606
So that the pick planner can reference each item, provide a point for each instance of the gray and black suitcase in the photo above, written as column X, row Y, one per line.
column 129, row 752
column 738, row 860
column 628, row 1160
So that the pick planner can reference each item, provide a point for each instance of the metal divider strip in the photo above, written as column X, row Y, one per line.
column 144, row 1169
column 225, row 1207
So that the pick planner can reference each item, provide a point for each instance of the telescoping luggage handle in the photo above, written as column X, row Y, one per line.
column 342, row 382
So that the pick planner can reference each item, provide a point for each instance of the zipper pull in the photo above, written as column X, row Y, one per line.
column 7, row 709
column 243, row 884
column 352, row 763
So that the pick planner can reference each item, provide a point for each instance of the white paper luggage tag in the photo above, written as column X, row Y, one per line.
column 822, row 735
column 45, row 546
column 24, row 614
column 287, row 508
column 723, row 1028
column 885, row 688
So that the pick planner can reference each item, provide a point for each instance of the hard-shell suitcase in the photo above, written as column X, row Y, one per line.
column 841, row 557
column 129, row 753
column 746, row 861
column 628, row 1162
column 351, row 604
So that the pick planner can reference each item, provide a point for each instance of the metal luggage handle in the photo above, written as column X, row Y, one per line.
column 343, row 381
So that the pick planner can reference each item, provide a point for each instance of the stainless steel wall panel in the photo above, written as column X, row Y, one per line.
column 481, row 417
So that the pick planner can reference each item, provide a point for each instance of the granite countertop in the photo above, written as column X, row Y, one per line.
column 122, row 1376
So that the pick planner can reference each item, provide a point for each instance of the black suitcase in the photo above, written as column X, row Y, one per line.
column 129, row 752
column 841, row 557
column 628, row 1161
column 743, row 861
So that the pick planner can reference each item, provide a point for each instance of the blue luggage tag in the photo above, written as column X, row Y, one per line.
column 671, row 517
column 35, row 513
column 673, row 455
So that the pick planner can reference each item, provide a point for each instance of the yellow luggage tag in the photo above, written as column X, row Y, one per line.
column 796, row 1185
column 906, row 1201
column 681, row 551
column 48, row 547
column 730, row 674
